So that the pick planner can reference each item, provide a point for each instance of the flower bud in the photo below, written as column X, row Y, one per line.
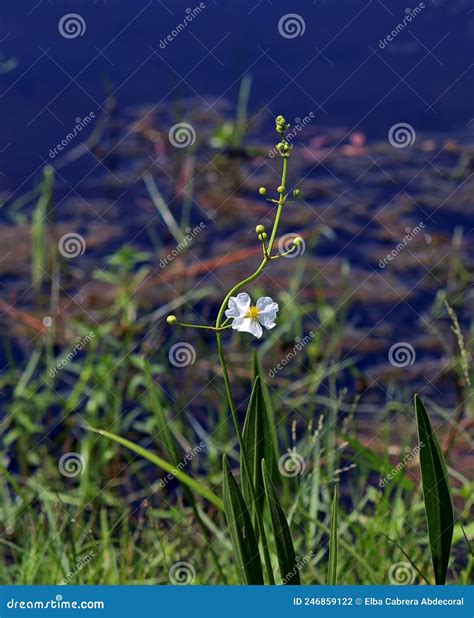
column 284, row 148
column 260, row 229
column 296, row 192
column 262, row 191
column 281, row 124
column 171, row 319
column 281, row 189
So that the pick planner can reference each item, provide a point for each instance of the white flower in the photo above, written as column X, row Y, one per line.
column 250, row 318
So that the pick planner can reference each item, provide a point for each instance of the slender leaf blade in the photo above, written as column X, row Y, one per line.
column 241, row 530
column 257, row 445
column 181, row 476
column 281, row 533
column 332, row 566
column 436, row 494
column 170, row 443
column 272, row 455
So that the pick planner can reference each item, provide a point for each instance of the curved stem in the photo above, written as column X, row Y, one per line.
column 228, row 388
column 266, row 258
column 279, row 255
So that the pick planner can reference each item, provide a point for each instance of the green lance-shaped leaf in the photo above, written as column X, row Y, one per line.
column 257, row 445
column 332, row 565
column 271, row 457
column 281, row 533
column 241, row 530
column 436, row 494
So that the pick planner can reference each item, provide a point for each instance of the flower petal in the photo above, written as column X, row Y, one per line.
column 267, row 322
column 238, row 305
column 268, row 309
column 247, row 325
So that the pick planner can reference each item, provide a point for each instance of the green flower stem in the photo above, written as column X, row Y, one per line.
column 279, row 255
column 266, row 258
column 213, row 328
column 228, row 388
column 281, row 203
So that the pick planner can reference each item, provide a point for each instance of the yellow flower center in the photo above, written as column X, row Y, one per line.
column 253, row 313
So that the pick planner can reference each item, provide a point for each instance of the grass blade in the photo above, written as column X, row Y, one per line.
column 192, row 483
column 163, row 208
column 436, row 494
column 241, row 530
column 281, row 533
column 170, row 443
column 420, row 573
column 332, row 566
column 39, row 245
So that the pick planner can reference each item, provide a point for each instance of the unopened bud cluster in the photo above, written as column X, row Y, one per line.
column 281, row 125
column 260, row 230
column 283, row 147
